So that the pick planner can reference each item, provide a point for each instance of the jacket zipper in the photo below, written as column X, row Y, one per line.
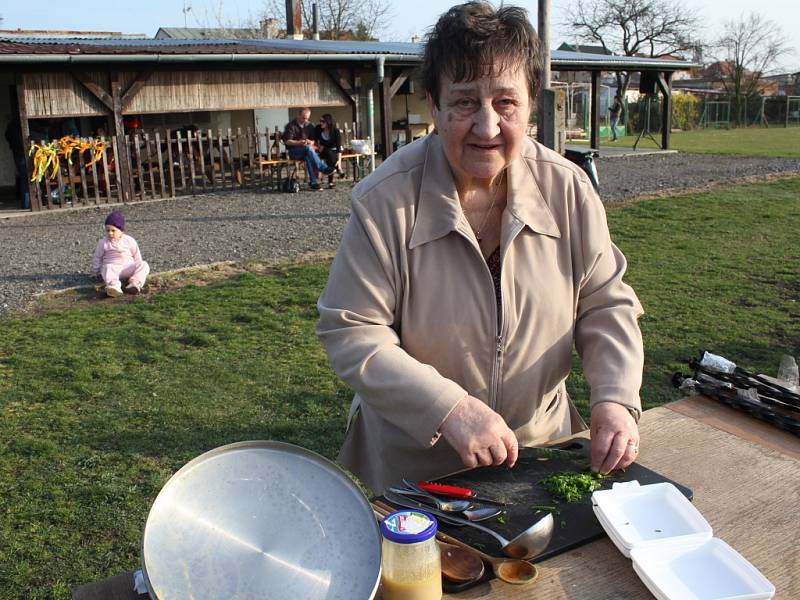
column 497, row 369
column 499, row 321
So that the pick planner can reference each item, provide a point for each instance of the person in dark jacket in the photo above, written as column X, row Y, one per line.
column 328, row 138
column 17, row 145
column 298, row 137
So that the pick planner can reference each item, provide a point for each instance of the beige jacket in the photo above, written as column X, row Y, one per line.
column 409, row 315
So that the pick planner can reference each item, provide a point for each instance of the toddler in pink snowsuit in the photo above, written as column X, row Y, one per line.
column 117, row 258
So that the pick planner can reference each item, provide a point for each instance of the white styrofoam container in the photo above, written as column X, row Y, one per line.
column 630, row 510
column 699, row 570
column 671, row 545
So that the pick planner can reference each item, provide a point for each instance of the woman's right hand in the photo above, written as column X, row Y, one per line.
column 479, row 435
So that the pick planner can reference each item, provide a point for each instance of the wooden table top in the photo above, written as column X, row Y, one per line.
column 746, row 485
column 746, row 481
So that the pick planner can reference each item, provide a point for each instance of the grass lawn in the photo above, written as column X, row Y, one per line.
column 775, row 141
column 102, row 401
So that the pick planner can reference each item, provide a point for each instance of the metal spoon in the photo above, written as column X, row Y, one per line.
column 526, row 545
column 476, row 514
column 454, row 506
column 482, row 514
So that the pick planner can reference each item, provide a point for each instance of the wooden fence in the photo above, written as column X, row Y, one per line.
column 153, row 165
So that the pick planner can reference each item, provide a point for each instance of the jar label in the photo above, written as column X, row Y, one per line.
column 407, row 522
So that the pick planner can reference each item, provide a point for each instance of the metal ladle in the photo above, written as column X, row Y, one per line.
column 527, row 544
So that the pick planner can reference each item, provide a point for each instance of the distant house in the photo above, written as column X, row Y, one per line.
column 709, row 80
column 787, row 84
column 270, row 29
column 585, row 49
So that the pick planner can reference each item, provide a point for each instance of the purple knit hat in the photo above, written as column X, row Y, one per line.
column 117, row 219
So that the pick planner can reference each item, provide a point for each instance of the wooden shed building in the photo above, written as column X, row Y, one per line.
column 206, row 96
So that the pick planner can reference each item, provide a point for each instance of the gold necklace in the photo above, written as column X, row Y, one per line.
column 489, row 211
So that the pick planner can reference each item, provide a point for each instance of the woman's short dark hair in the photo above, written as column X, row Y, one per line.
column 474, row 39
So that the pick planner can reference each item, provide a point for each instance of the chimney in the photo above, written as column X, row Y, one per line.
column 294, row 20
column 315, row 9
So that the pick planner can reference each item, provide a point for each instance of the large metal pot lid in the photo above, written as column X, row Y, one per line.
column 261, row 520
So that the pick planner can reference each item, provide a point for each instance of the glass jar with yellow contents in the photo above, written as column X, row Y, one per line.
column 412, row 568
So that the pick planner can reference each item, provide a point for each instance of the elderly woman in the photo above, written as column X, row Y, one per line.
column 474, row 260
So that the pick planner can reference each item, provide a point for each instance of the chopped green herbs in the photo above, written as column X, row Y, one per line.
column 547, row 507
column 501, row 518
column 570, row 486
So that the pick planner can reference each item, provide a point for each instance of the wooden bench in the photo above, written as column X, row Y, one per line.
column 358, row 168
column 275, row 167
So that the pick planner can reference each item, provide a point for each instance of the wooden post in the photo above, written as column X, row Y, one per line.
column 126, row 155
column 123, row 178
column 106, row 179
column 150, row 170
column 161, row 174
column 213, row 176
column 82, row 175
column 115, row 145
column 171, row 168
column 33, row 189
column 95, row 181
column 202, row 158
column 221, row 157
column 385, row 100
column 190, row 154
column 180, row 160
column 139, row 167
column 594, row 117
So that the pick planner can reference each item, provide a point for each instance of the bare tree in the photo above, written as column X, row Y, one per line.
column 348, row 19
column 747, row 50
column 653, row 28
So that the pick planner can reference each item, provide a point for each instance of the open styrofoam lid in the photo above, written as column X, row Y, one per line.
column 699, row 570
column 639, row 515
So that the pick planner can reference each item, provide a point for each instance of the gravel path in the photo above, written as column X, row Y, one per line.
column 51, row 251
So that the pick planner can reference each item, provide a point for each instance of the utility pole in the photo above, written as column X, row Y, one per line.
column 546, row 121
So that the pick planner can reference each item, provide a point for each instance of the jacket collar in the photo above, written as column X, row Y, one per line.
column 438, row 209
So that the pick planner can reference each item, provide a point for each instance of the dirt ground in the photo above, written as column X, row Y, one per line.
column 46, row 256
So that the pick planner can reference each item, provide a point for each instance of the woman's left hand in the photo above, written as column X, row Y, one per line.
column 615, row 437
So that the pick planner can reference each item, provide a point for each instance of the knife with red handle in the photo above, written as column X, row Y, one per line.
column 454, row 491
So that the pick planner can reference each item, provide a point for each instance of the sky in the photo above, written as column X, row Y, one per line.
column 410, row 17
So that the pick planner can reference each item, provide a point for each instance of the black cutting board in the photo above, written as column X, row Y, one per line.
column 575, row 522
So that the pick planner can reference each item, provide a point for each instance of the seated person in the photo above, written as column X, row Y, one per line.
column 298, row 137
column 328, row 139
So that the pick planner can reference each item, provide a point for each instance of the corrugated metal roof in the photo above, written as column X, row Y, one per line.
column 561, row 60
column 200, row 46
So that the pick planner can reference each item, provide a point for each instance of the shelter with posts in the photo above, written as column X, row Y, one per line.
column 183, row 116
